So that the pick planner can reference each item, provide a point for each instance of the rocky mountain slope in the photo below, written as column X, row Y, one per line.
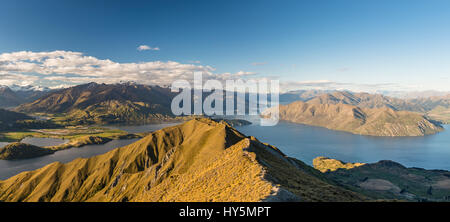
column 435, row 107
column 364, row 121
column 8, row 98
column 390, row 180
column 105, row 103
column 440, row 113
column 11, row 97
column 200, row 160
column 366, row 100
column 302, row 95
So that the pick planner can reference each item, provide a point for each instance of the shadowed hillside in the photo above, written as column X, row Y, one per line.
column 15, row 151
column 12, row 98
column 200, row 160
column 10, row 117
column 10, row 120
column 374, row 122
column 389, row 180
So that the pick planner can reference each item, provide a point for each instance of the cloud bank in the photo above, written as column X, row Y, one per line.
column 57, row 69
column 70, row 68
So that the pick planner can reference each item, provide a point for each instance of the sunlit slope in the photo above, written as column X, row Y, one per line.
column 200, row 160
column 364, row 121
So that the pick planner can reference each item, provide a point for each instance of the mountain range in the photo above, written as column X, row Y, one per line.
column 130, row 102
column 435, row 107
column 92, row 103
column 364, row 121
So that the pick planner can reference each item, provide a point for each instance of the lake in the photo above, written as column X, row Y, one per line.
column 10, row 168
column 38, row 141
column 308, row 142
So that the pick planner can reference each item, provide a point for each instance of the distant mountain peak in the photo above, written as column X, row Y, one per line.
column 28, row 88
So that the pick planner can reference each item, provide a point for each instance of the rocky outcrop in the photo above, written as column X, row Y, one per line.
column 324, row 164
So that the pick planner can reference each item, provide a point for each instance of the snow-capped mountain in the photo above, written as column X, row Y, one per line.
column 15, row 95
column 27, row 88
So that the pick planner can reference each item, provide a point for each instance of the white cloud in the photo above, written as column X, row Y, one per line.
column 66, row 67
column 146, row 47
column 62, row 86
column 57, row 68
column 16, row 79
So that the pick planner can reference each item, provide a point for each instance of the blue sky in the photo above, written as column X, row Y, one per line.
column 361, row 44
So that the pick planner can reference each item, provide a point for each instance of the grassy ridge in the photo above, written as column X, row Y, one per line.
column 200, row 160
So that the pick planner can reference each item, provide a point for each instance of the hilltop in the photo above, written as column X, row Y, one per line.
column 390, row 180
column 364, row 121
column 200, row 160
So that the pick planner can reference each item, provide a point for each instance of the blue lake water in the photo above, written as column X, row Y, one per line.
column 308, row 142
column 10, row 168
column 38, row 141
